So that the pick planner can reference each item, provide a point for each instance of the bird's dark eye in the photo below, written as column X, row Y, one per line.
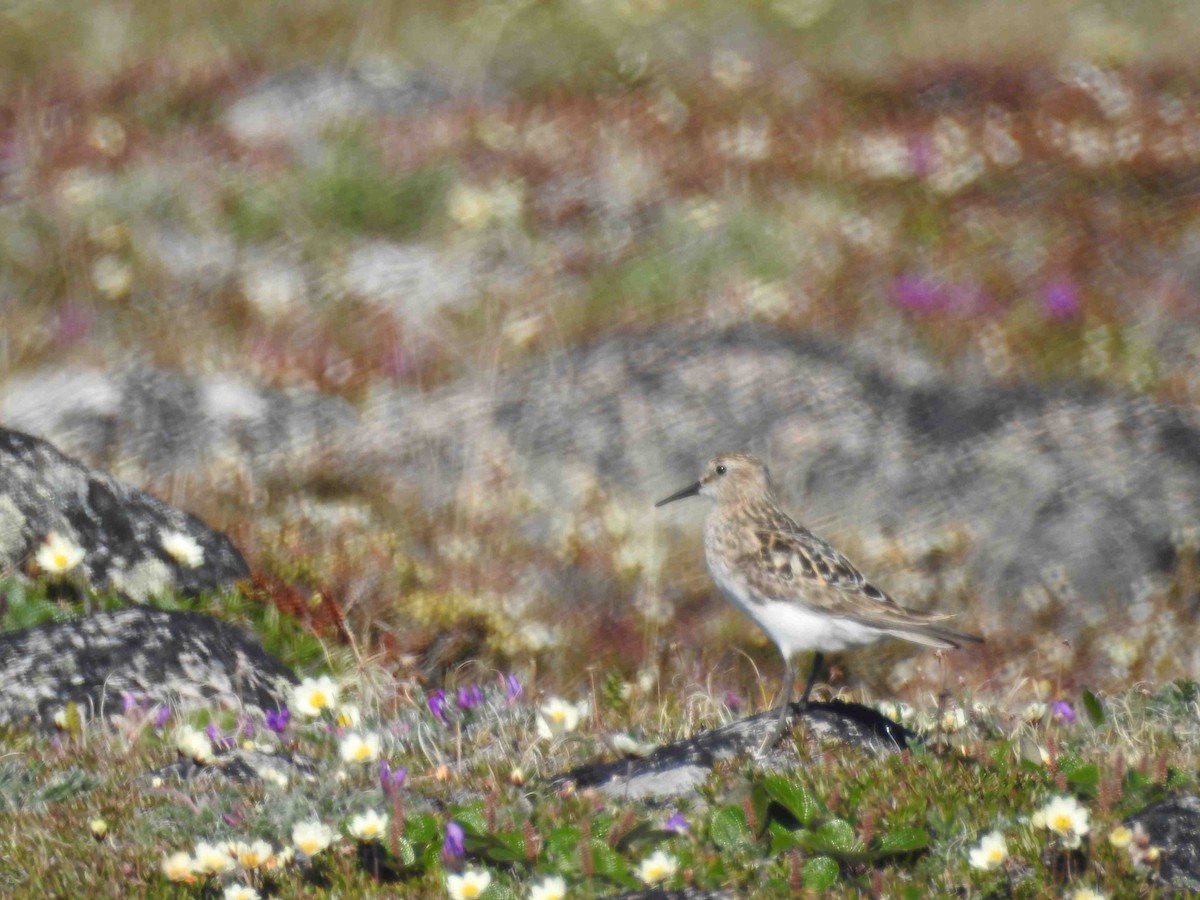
column 720, row 470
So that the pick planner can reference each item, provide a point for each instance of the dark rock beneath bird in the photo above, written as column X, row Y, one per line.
column 679, row 768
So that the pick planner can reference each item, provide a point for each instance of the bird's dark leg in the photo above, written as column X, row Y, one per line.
column 817, row 666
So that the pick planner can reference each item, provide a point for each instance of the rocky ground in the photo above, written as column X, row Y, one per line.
column 365, row 343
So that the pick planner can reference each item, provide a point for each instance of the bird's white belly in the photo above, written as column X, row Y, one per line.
column 794, row 627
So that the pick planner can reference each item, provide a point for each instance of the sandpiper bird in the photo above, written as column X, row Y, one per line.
column 796, row 587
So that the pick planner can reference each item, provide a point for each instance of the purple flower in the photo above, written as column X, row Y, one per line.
column 732, row 701
column 128, row 703
column 162, row 716
column 512, row 689
column 391, row 779
column 1063, row 711
column 437, row 704
column 1060, row 299
column 469, row 698
column 277, row 719
column 454, row 847
column 73, row 323
column 917, row 293
column 218, row 740
column 677, row 823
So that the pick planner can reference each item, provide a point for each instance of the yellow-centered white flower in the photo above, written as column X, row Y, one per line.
column 1064, row 817
column 359, row 748
column 194, row 744
column 557, row 717
column 657, row 867
column 58, row 554
column 213, row 859
column 313, row 696
column 551, row 888
column 311, row 838
column 368, row 826
column 469, row 885
column 990, row 853
column 182, row 548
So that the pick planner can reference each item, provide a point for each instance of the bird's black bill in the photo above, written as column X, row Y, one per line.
column 690, row 491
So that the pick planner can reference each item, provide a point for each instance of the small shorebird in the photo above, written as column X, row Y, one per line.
column 796, row 587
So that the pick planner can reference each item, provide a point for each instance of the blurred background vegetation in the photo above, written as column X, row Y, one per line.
column 340, row 195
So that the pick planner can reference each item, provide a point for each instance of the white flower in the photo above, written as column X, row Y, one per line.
column 179, row 867
column 194, row 744
column 1034, row 712
column 356, row 748
column 954, row 719
column 1064, row 817
column 657, row 867
column 552, row 888
column 558, row 716
column 1121, row 837
column 349, row 716
column 470, row 884
column 112, row 276
column 368, row 826
column 312, row 837
column 275, row 777
column 252, row 856
column 991, row 852
column 312, row 696
column 239, row 891
column 182, row 548
column 58, row 554
column 213, row 859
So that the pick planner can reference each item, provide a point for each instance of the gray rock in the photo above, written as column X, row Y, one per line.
column 124, row 533
column 295, row 106
column 165, row 423
column 1062, row 492
column 181, row 659
column 236, row 765
column 680, row 768
column 1173, row 826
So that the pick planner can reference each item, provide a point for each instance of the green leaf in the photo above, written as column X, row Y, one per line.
column 421, row 828
column 835, row 836
column 563, row 840
column 820, row 873
column 607, row 862
column 498, row 891
column 471, row 818
column 1093, row 707
column 903, row 840
column 405, row 852
column 797, row 799
column 729, row 830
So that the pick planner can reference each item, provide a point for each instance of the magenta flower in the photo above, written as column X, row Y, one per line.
column 390, row 780
column 1063, row 711
column 437, row 704
column 454, row 849
column 469, row 698
column 277, row 719
column 1061, row 300
column 512, row 689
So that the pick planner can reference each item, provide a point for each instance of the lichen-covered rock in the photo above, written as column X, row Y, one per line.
column 1173, row 826
column 181, row 659
column 680, row 768
column 112, row 535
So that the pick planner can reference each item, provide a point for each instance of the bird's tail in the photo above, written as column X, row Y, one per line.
column 932, row 635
